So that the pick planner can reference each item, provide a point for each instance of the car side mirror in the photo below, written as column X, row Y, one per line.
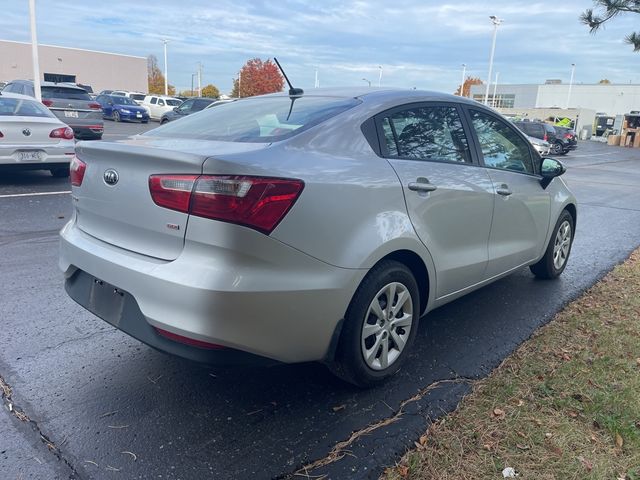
column 550, row 169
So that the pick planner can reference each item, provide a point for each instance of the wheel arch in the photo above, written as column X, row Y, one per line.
column 573, row 211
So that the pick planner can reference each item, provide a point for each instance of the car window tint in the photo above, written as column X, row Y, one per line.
column 137, row 96
column 186, row 106
column 154, row 100
column 430, row 133
column 389, row 137
column 200, row 104
column 174, row 103
column 501, row 146
column 257, row 119
column 62, row 92
column 161, row 102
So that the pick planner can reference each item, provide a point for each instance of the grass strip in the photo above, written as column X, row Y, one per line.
column 565, row 405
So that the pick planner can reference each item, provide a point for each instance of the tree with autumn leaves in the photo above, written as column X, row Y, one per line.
column 257, row 78
column 466, row 88
column 156, row 78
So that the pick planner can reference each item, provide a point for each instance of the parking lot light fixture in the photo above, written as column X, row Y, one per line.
column 34, row 50
column 368, row 81
column 496, row 22
column 380, row 77
column 573, row 71
column 464, row 71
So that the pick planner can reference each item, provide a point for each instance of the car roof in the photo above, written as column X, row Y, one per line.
column 50, row 84
column 16, row 95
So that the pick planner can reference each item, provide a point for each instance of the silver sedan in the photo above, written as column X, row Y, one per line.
column 309, row 227
column 32, row 138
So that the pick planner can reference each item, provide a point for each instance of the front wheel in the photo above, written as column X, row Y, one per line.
column 380, row 326
column 116, row 116
column 557, row 148
column 557, row 254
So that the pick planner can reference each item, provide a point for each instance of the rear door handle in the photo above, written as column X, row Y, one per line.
column 422, row 185
column 504, row 190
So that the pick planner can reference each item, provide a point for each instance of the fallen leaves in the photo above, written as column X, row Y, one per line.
column 498, row 413
column 587, row 464
column 619, row 440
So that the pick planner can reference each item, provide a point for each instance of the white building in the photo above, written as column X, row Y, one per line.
column 612, row 99
column 100, row 70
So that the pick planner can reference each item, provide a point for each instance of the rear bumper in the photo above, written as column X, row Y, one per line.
column 286, row 311
column 50, row 155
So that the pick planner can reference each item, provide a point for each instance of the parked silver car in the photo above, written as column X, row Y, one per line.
column 316, row 227
column 542, row 146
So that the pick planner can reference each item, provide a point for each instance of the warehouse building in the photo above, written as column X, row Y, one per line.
column 611, row 99
column 100, row 70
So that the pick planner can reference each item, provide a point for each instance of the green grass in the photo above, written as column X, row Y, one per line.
column 565, row 405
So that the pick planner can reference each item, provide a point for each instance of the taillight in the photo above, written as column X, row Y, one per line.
column 255, row 202
column 189, row 341
column 1, row 135
column 94, row 105
column 62, row 132
column 76, row 170
column 568, row 135
column 46, row 102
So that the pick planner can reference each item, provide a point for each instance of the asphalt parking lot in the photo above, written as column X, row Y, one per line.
column 102, row 405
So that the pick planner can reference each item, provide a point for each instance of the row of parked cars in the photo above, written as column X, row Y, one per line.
column 85, row 112
column 548, row 139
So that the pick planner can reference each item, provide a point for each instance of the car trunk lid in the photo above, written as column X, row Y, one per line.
column 20, row 130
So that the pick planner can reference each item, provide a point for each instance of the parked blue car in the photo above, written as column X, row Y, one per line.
column 122, row 109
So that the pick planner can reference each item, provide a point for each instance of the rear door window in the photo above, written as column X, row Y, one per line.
column 154, row 100
column 427, row 133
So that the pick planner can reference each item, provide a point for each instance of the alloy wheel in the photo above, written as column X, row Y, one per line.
column 561, row 245
column 387, row 326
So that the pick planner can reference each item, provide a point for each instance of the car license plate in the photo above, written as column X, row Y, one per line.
column 71, row 114
column 138, row 115
column 106, row 301
column 30, row 156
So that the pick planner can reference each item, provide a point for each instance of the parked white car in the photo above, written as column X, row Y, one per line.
column 157, row 105
column 137, row 97
column 32, row 138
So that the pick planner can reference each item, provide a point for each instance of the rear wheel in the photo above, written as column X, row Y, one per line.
column 380, row 326
column 61, row 172
column 116, row 116
column 555, row 257
column 556, row 148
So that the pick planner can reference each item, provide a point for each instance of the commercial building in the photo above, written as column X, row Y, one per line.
column 100, row 70
column 611, row 99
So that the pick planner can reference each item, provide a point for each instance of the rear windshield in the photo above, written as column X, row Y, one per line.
column 137, row 96
column 122, row 100
column 173, row 103
column 20, row 107
column 260, row 119
column 63, row 92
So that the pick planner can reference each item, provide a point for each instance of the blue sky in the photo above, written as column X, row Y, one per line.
column 418, row 43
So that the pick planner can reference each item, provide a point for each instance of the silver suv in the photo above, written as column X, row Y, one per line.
column 69, row 102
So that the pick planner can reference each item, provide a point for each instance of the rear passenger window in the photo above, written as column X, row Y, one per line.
column 501, row 145
column 427, row 133
column 154, row 100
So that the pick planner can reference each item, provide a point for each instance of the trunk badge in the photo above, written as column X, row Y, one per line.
column 26, row 132
column 110, row 177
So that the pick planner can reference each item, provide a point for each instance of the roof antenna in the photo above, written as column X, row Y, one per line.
column 293, row 92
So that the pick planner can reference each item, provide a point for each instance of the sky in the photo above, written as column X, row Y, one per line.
column 418, row 43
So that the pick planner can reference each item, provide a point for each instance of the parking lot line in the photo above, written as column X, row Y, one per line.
column 12, row 195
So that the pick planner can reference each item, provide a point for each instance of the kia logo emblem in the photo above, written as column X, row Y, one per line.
column 26, row 132
column 110, row 177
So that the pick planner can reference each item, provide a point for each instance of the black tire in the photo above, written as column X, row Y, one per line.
column 349, row 363
column 116, row 116
column 163, row 121
column 62, row 172
column 547, row 267
column 557, row 148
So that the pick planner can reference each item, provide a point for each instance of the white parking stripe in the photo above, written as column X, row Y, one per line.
column 12, row 195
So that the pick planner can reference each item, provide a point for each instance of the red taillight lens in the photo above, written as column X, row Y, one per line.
column 568, row 135
column 255, row 202
column 94, row 106
column 76, row 170
column 189, row 341
column 47, row 103
column 62, row 132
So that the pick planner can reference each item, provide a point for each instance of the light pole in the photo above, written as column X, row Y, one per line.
column 166, row 72
column 495, row 87
column 192, row 75
column 199, row 79
column 573, row 70
column 317, row 84
column 380, row 77
column 34, row 50
column 368, row 81
column 239, row 82
column 464, row 71
column 496, row 22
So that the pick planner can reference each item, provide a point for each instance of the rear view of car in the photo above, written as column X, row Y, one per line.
column 32, row 138
column 75, row 107
column 569, row 137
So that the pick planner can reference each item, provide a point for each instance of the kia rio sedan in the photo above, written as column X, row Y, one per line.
column 310, row 227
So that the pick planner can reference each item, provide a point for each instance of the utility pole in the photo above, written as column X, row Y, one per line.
column 166, row 72
column 464, row 71
column 380, row 77
column 496, row 22
column 199, row 79
column 239, row 82
column 317, row 84
column 573, row 70
column 495, row 87
column 34, row 50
